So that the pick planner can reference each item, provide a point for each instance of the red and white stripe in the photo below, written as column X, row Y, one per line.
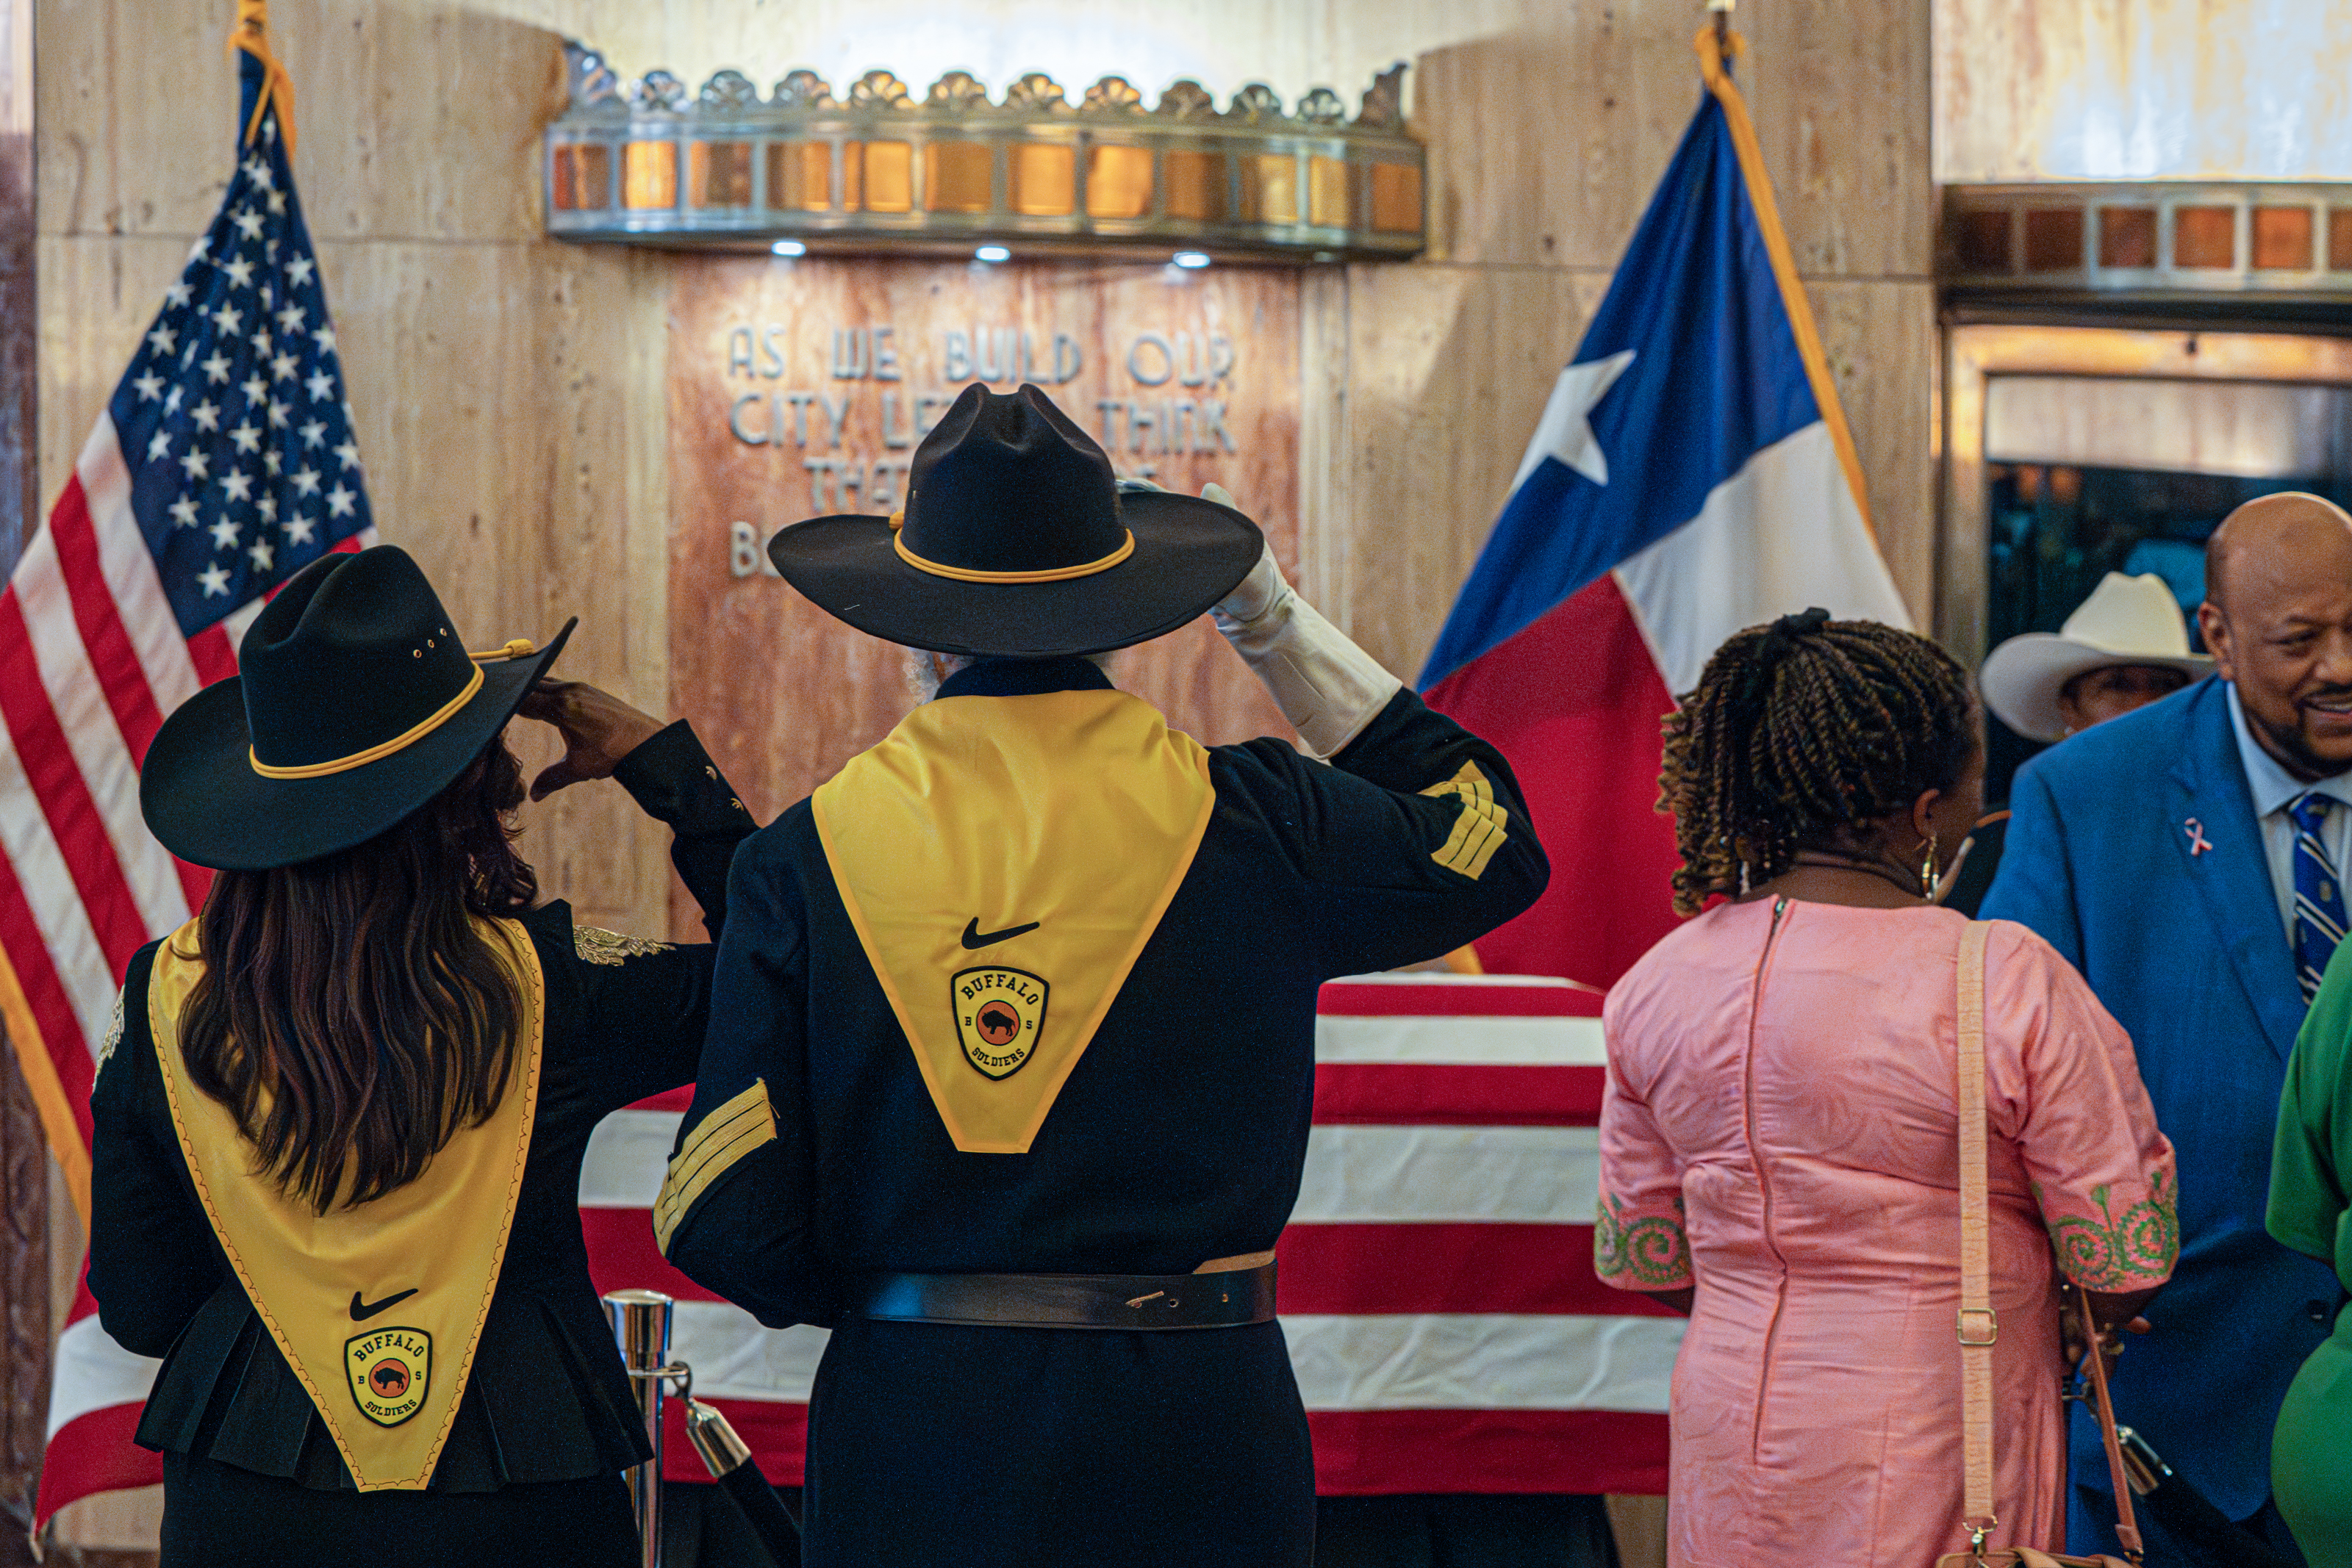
column 91, row 658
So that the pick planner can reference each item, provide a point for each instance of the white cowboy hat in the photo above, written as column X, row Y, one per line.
column 2126, row 621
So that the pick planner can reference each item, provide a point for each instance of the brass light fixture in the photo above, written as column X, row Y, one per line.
column 880, row 170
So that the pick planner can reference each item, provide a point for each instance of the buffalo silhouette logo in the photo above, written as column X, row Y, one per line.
column 999, row 1014
column 390, row 1369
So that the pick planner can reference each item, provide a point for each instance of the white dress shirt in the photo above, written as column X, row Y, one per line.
column 2274, row 789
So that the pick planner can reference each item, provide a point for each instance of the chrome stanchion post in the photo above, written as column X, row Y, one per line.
column 640, row 1325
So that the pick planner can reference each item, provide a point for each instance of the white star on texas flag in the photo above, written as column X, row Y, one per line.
column 1566, row 430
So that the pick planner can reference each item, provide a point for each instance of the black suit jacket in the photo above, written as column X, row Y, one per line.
column 547, row 1399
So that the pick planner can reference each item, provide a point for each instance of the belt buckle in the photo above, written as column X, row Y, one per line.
column 1988, row 1326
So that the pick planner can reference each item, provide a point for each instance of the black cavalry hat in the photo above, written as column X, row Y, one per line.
column 356, row 704
column 1017, row 540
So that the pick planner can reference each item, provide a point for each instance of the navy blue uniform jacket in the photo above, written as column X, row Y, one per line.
column 547, row 1399
column 2185, row 947
column 1179, row 1137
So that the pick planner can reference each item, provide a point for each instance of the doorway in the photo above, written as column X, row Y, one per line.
column 2074, row 452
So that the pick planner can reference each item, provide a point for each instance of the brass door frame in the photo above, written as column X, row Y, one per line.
column 1974, row 354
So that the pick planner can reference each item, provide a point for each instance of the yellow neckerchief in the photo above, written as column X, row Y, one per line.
column 377, row 1308
column 1004, row 860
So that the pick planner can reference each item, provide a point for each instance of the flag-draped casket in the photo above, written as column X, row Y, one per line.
column 1436, row 1278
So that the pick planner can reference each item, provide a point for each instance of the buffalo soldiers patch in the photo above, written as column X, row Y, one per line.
column 999, row 1014
column 389, row 1370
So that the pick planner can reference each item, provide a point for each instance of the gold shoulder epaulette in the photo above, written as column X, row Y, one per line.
column 114, row 1035
column 594, row 945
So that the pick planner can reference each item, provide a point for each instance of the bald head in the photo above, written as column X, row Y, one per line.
column 2278, row 618
column 2275, row 539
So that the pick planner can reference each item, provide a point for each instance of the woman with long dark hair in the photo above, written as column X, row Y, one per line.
column 1780, row 1138
column 340, row 1120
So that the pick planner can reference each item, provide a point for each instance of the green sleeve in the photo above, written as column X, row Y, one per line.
column 2314, row 1122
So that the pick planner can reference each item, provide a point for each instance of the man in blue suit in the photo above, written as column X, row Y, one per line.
column 2184, row 857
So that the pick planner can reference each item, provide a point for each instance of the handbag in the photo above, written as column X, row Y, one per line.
column 1979, row 1326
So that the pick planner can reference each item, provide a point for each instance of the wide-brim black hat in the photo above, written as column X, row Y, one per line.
column 356, row 703
column 1017, row 540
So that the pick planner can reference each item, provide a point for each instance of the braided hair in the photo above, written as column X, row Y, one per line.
column 1799, row 733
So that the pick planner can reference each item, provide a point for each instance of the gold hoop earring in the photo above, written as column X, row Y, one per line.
column 1930, row 870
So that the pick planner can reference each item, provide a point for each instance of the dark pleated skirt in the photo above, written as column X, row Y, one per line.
column 217, row 1515
column 547, row 1401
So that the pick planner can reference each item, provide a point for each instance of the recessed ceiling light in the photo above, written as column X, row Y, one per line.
column 789, row 248
column 1190, row 258
column 991, row 253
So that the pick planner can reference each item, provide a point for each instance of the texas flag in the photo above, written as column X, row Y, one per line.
column 1692, row 474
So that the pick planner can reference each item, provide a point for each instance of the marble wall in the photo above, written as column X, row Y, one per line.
column 2142, row 89
column 24, row 1306
column 784, row 694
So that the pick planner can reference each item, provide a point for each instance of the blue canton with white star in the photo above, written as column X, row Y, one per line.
column 231, row 417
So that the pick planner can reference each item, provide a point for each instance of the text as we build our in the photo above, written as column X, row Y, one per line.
column 1178, row 386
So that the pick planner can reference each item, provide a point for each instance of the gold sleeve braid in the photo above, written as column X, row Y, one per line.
column 724, row 1136
column 1479, row 830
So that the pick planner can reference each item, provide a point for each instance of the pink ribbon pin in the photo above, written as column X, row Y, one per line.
column 2197, row 842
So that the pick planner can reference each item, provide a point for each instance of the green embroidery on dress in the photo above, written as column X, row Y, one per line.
column 2121, row 1252
column 1654, row 1250
column 596, row 946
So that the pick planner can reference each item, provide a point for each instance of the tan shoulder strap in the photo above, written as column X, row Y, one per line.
column 2126, row 1521
column 1978, row 1326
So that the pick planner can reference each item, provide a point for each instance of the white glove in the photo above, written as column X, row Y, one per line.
column 1328, row 688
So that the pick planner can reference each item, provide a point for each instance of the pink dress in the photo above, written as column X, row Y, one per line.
column 1781, row 1131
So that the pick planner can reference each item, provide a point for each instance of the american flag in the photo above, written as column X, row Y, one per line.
column 1437, row 1288
column 223, row 465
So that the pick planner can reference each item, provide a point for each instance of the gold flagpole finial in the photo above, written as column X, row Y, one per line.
column 1722, row 11
column 252, row 35
column 1718, row 45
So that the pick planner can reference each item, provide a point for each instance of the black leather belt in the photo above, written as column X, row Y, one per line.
column 1226, row 1300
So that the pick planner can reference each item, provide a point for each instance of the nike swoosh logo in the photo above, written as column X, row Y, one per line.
column 362, row 1311
column 974, row 938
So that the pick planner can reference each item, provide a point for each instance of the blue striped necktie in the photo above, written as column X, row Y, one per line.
column 2318, row 896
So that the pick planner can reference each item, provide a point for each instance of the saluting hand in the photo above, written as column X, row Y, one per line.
column 598, row 728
